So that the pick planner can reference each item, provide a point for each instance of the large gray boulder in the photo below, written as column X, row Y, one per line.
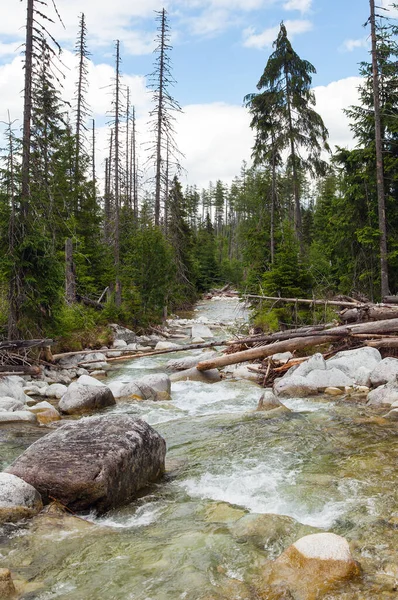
column 80, row 399
column 349, row 361
column 122, row 333
column 95, row 463
column 12, row 388
column 136, row 390
column 295, row 387
column 315, row 362
column 328, row 378
column 160, row 382
column 385, row 371
column 180, row 364
column 200, row 330
column 384, row 394
column 18, row 499
column 210, row 376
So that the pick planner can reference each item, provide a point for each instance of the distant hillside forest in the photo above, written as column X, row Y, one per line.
column 85, row 244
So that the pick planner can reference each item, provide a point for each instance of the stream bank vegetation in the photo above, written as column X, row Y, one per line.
column 82, row 248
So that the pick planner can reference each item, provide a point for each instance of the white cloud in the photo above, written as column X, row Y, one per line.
column 268, row 36
column 331, row 99
column 350, row 45
column 301, row 5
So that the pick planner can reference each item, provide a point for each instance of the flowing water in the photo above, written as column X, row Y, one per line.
column 240, row 488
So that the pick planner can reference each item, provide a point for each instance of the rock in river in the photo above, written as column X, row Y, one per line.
column 18, row 499
column 311, row 566
column 96, row 463
column 84, row 398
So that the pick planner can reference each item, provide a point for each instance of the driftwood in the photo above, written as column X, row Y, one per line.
column 264, row 351
column 298, row 343
column 310, row 301
column 385, row 342
column 22, row 344
column 18, row 370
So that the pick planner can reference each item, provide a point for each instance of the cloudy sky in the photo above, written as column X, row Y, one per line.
column 220, row 48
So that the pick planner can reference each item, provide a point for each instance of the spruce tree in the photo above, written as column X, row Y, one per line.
column 284, row 117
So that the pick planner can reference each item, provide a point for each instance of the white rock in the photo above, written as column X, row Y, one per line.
column 179, row 364
column 167, row 346
column 119, row 344
column 88, row 380
column 281, row 358
column 392, row 415
column 132, row 347
column 11, row 389
column 202, row 331
column 114, row 353
column 17, row 416
column 81, row 371
column 18, row 499
column 83, row 398
column 138, row 391
column 385, row 371
column 8, row 404
column 116, row 387
column 362, row 377
column 40, row 406
column 32, row 390
column 322, row 378
column 333, row 391
column 295, row 387
column 384, row 394
column 210, row 376
column 324, row 546
column 122, row 333
column 56, row 390
column 314, row 362
column 243, row 372
column 198, row 340
column 349, row 361
column 160, row 382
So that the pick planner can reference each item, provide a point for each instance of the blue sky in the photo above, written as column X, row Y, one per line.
column 220, row 48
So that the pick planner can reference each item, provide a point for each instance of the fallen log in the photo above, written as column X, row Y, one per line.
column 264, row 351
column 18, row 370
column 304, row 301
column 388, row 342
column 22, row 344
column 298, row 343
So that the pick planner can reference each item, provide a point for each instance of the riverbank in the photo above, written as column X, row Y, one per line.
column 205, row 531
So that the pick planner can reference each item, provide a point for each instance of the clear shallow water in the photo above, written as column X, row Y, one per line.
column 327, row 465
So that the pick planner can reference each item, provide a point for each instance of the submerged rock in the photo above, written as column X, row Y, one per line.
column 18, row 499
column 270, row 404
column 210, row 376
column 7, row 588
column 96, row 463
column 311, row 566
column 85, row 398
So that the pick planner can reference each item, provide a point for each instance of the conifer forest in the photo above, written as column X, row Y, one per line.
column 85, row 244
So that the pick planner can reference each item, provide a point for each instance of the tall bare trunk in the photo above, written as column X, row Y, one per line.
column 158, row 177
column 379, row 158
column 118, row 292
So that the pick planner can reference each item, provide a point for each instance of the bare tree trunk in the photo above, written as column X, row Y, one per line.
column 93, row 164
column 70, row 280
column 79, row 111
column 134, row 169
column 158, row 177
column 379, row 158
column 118, row 293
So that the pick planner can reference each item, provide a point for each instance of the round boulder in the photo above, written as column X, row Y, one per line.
column 95, row 463
column 85, row 398
column 18, row 499
column 313, row 564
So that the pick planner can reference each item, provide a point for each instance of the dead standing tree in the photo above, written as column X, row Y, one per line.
column 162, row 115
